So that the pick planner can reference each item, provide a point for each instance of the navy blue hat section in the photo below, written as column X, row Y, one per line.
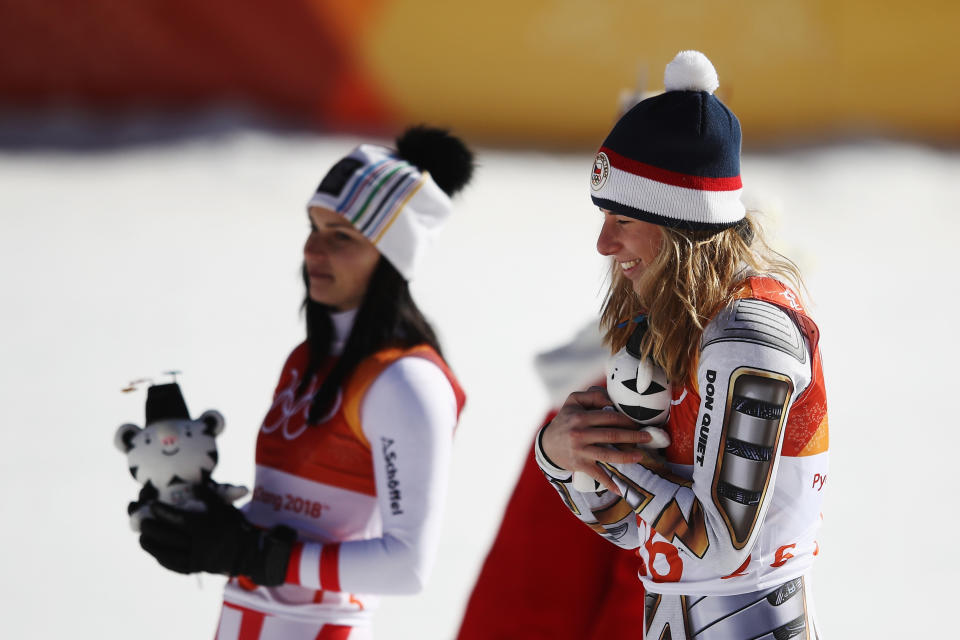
column 674, row 159
column 689, row 133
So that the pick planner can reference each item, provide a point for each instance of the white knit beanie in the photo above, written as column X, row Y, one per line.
column 392, row 197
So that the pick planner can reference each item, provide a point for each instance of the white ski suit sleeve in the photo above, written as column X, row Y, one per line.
column 754, row 362
column 408, row 416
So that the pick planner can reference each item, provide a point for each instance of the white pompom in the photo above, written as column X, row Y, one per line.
column 690, row 71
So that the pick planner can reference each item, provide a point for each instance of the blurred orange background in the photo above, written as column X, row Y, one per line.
column 541, row 73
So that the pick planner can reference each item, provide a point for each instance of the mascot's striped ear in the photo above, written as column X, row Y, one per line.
column 123, row 438
column 213, row 422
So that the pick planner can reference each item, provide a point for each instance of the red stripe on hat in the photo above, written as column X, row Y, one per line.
column 293, row 566
column 671, row 177
column 330, row 567
column 251, row 622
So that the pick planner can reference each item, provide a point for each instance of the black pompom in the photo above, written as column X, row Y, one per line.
column 446, row 157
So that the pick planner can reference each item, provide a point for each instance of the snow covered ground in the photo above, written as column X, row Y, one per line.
column 123, row 263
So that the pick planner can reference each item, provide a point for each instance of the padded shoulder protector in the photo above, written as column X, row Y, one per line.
column 749, row 320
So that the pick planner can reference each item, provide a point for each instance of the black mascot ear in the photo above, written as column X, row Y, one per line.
column 213, row 422
column 123, row 438
column 636, row 337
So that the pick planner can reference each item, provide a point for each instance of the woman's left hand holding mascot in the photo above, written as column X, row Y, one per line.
column 185, row 519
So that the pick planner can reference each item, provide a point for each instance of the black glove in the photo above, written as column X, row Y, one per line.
column 218, row 540
column 135, row 510
column 147, row 494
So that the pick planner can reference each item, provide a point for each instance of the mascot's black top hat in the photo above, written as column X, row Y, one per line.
column 165, row 402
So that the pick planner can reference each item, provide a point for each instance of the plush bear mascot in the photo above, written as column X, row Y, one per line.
column 639, row 389
column 172, row 455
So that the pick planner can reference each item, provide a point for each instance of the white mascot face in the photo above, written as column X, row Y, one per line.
column 172, row 455
column 638, row 388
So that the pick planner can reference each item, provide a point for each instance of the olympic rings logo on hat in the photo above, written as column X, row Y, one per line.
column 601, row 170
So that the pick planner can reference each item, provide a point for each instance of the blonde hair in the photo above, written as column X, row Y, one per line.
column 693, row 276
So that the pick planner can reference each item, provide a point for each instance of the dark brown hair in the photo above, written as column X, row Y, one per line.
column 387, row 317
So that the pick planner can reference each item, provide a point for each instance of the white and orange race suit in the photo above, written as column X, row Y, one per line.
column 726, row 527
column 363, row 487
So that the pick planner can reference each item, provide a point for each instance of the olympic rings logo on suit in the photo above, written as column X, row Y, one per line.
column 286, row 405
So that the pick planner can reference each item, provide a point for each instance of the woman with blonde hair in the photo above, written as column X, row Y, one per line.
column 725, row 521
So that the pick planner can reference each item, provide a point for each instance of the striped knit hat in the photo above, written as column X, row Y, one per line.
column 674, row 159
column 389, row 200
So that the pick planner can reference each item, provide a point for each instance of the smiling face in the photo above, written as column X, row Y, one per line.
column 171, row 455
column 633, row 244
column 338, row 259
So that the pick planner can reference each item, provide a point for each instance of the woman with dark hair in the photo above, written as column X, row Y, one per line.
column 725, row 521
column 352, row 457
